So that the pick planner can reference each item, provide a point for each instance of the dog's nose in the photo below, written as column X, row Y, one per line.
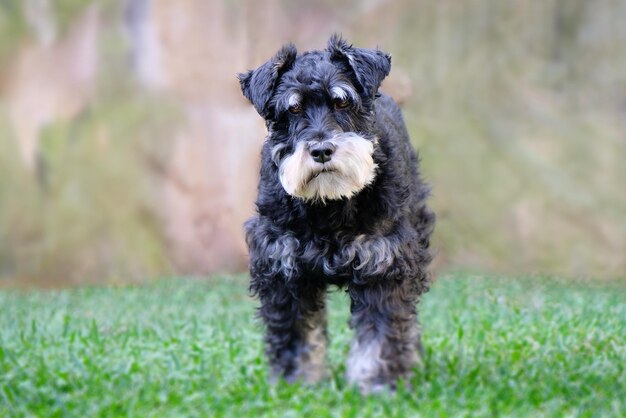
column 321, row 151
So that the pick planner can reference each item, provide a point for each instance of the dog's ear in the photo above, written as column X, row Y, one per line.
column 370, row 66
column 258, row 85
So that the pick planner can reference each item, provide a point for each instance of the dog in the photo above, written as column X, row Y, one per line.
column 340, row 202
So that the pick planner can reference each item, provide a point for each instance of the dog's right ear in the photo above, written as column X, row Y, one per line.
column 258, row 85
column 370, row 66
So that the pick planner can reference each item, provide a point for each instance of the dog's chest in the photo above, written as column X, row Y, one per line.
column 340, row 256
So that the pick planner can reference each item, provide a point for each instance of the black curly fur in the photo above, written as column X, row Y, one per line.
column 375, row 243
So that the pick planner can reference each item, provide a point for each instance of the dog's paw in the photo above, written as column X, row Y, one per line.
column 377, row 388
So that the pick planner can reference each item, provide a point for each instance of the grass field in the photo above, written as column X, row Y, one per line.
column 494, row 346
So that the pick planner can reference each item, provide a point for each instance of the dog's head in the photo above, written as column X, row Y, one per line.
column 318, row 108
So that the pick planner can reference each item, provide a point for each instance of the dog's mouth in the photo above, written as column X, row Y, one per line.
column 316, row 174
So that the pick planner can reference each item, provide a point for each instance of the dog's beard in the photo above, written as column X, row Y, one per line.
column 350, row 169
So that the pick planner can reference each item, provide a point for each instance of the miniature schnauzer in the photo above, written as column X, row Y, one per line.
column 340, row 202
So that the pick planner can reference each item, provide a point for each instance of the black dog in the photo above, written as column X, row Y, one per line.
column 340, row 203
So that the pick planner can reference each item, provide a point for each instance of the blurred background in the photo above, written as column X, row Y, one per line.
column 127, row 151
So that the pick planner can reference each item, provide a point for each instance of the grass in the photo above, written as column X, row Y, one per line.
column 494, row 346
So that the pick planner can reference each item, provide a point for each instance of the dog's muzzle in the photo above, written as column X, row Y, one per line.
column 328, row 170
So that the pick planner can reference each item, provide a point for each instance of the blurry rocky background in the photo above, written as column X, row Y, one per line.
column 127, row 151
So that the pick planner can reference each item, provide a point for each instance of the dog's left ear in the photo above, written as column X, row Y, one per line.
column 370, row 66
column 258, row 85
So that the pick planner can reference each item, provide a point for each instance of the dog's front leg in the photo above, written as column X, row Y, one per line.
column 387, row 341
column 296, row 336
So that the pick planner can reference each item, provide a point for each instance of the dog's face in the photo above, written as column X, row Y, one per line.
column 318, row 109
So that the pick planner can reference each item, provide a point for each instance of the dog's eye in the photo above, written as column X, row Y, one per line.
column 341, row 103
column 295, row 109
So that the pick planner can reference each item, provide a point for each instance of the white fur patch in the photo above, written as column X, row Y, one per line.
column 350, row 169
column 343, row 91
column 339, row 93
column 294, row 99
column 365, row 364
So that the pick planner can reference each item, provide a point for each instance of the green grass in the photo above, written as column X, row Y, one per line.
column 494, row 346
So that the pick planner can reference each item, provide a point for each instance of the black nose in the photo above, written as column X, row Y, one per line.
column 321, row 151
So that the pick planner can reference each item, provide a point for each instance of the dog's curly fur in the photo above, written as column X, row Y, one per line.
column 364, row 226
